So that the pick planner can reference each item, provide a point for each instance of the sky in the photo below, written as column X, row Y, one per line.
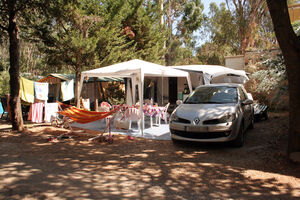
column 207, row 2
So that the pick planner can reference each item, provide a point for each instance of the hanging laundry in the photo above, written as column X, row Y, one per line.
column 86, row 104
column 41, row 90
column 67, row 90
column 26, row 90
column 50, row 110
column 36, row 112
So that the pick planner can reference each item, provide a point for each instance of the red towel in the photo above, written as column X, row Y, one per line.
column 36, row 112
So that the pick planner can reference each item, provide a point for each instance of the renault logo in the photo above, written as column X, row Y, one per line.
column 196, row 120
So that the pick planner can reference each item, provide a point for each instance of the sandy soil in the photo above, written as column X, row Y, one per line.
column 32, row 167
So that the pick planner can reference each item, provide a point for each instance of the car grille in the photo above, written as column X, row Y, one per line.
column 184, row 121
column 200, row 135
column 212, row 121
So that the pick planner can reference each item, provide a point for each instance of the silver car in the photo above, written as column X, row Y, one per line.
column 213, row 113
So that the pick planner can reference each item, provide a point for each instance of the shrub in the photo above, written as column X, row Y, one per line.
column 269, row 83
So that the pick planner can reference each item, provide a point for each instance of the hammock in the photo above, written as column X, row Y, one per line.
column 85, row 116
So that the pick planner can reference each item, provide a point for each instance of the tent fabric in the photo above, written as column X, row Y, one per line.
column 129, row 68
column 136, row 70
column 212, row 71
column 57, row 78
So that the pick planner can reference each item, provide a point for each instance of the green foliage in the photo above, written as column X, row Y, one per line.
column 182, row 19
column 144, row 31
column 4, row 82
column 269, row 83
column 224, row 31
column 239, row 26
column 115, row 94
column 192, row 18
column 296, row 27
column 223, row 37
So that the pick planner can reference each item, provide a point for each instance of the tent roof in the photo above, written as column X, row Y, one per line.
column 213, row 70
column 132, row 67
column 57, row 78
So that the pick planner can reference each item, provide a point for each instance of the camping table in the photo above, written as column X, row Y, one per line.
column 156, row 111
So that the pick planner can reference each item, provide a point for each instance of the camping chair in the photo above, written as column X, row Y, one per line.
column 164, row 115
column 105, row 107
column 132, row 114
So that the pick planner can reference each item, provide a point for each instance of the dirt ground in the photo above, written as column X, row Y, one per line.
column 32, row 167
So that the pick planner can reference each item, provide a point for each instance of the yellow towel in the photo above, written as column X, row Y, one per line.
column 26, row 90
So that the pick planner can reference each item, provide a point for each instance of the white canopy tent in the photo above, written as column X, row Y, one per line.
column 213, row 73
column 136, row 70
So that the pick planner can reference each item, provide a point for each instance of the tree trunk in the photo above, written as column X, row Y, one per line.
column 290, row 46
column 15, row 104
column 77, row 81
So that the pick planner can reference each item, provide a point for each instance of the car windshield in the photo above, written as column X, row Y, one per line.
column 213, row 94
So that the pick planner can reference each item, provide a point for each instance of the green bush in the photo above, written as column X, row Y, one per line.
column 114, row 93
column 269, row 83
column 4, row 83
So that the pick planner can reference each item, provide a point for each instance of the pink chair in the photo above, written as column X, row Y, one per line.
column 164, row 115
column 105, row 107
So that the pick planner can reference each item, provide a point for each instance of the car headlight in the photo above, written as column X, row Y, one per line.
column 229, row 117
column 174, row 117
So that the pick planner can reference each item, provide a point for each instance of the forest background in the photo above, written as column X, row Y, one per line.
column 72, row 36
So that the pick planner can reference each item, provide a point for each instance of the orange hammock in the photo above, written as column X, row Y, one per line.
column 84, row 116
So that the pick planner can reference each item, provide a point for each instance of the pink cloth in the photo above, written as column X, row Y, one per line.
column 155, row 110
column 36, row 112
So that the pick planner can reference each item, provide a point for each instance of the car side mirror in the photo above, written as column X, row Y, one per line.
column 247, row 102
column 250, row 96
column 178, row 102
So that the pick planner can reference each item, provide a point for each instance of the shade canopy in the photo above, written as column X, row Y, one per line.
column 212, row 72
column 132, row 67
column 136, row 70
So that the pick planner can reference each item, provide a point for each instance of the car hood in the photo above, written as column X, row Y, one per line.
column 204, row 111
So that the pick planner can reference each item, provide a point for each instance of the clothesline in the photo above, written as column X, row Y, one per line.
column 29, row 90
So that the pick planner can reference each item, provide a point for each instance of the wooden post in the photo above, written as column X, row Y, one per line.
column 95, row 95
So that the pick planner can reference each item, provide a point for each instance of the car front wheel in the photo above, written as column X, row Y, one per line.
column 240, row 139
column 251, row 126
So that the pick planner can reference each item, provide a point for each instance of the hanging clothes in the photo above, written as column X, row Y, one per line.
column 50, row 110
column 41, row 90
column 26, row 90
column 36, row 112
column 67, row 90
column 86, row 104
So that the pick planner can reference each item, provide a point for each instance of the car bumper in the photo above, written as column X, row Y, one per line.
column 204, row 133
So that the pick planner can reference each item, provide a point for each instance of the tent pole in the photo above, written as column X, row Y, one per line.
column 162, row 90
column 95, row 95
column 141, row 99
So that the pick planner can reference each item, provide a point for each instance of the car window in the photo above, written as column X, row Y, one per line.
column 213, row 94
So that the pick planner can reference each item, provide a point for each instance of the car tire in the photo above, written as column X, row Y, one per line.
column 251, row 126
column 240, row 139
column 176, row 142
column 266, row 117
